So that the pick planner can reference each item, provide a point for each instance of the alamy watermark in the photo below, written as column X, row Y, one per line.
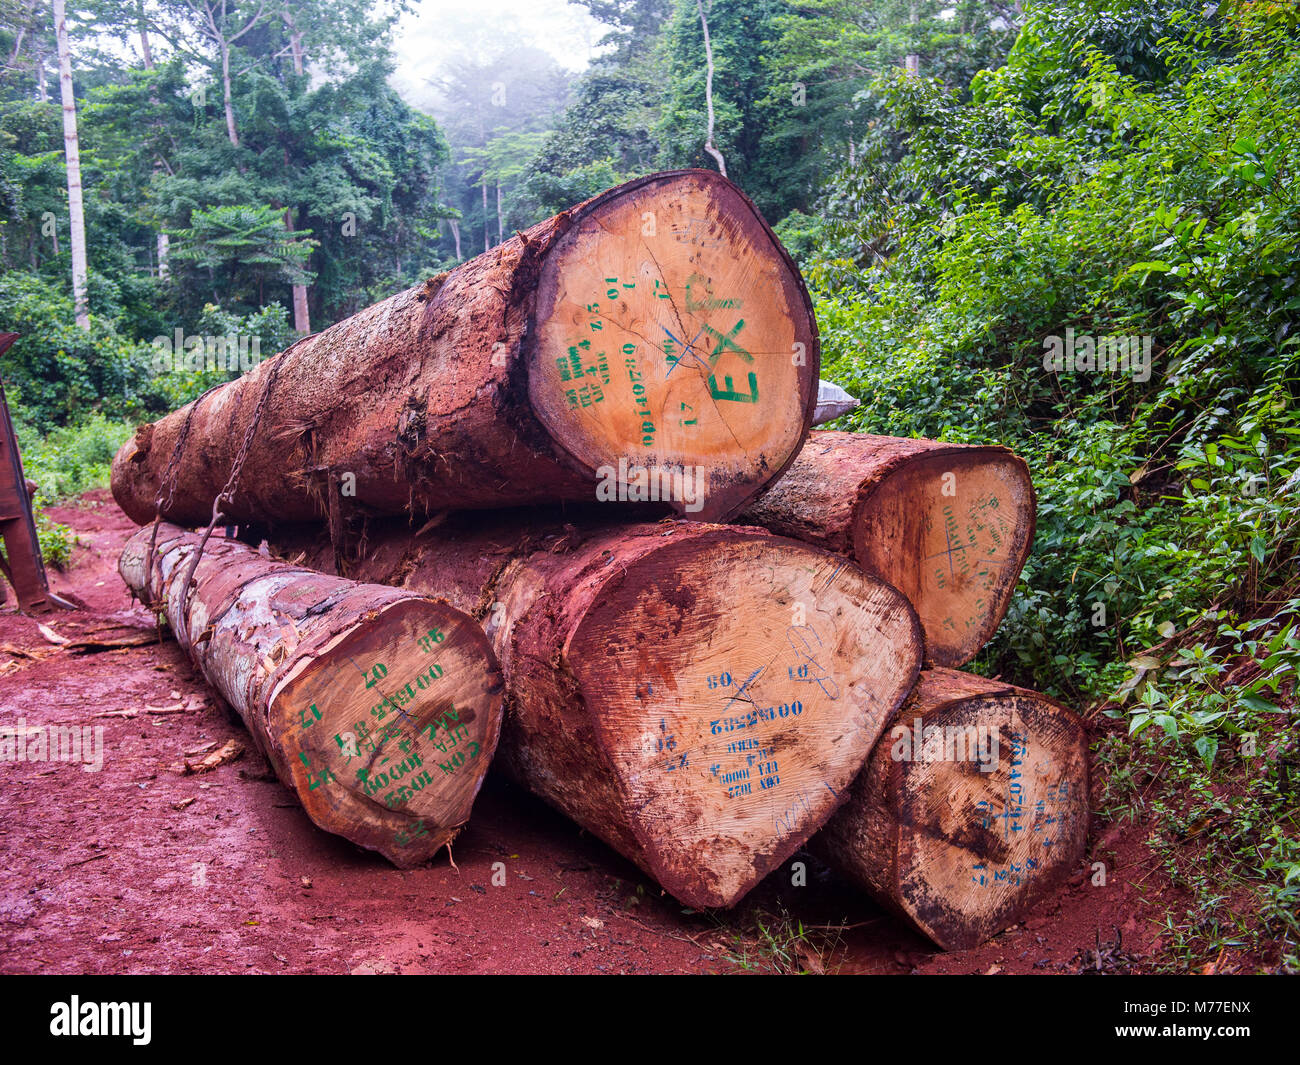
column 77, row 1018
column 946, row 743
column 1084, row 353
column 53, row 743
column 194, row 354
column 638, row 484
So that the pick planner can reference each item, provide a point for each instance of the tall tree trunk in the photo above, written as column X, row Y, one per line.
column 164, row 258
column 455, row 236
column 231, row 130
column 487, row 236
column 912, row 63
column 295, row 42
column 708, row 92
column 500, row 224
column 42, row 93
column 143, row 29
column 301, row 317
column 72, row 154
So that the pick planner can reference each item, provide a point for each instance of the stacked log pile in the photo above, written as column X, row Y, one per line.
column 698, row 696
column 703, row 697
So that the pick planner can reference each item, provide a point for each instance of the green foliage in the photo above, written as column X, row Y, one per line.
column 244, row 245
column 57, row 371
column 1156, row 214
column 55, row 541
column 607, row 133
column 252, row 337
column 498, row 111
column 779, row 943
column 1130, row 171
column 70, row 460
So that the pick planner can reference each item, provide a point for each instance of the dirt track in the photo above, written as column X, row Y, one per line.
column 138, row 868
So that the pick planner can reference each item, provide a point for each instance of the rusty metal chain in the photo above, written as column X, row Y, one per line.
column 167, row 485
column 227, row 494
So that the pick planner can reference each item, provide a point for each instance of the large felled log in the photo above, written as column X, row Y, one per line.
column 657, row 329
column 380, row 708
column 698, row 696
column 973, row 806
column 948, row 525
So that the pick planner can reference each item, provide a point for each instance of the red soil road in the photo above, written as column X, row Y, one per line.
column 137, row 868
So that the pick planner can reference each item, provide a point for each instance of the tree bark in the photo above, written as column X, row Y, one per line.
column 42, row 93
column 142, row 28
column 586, row 350
column 948, row 525
column 72, row 154
column 380, row 709
column 698, row 696
column 295, row 42
column 301, row 316
column 958, row 852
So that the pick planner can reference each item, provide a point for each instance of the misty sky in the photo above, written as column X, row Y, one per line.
column 441, row 30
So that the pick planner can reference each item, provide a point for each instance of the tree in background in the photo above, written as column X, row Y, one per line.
column 321, row 145
column 709, row 147
column 607, row 133
column 495, row 112
column 738, row 34
column 72, row 161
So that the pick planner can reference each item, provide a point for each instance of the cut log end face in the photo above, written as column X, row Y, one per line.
column 950, row 531
column 389, row 729
column 976, row 849
column 672, row 336
column 741, row 688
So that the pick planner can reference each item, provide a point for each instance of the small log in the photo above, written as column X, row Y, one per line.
column 972, row 808
column 381, row 709
column 658, row 329
column 698, row 696
column 948, row 525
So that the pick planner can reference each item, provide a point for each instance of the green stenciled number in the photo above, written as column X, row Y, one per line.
column 427, row 642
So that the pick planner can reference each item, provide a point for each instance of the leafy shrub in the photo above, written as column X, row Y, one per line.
column 71, row 460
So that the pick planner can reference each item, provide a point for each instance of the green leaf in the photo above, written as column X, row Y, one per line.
column 1259, row 548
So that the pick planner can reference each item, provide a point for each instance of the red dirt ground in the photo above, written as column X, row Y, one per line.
column 136, row 868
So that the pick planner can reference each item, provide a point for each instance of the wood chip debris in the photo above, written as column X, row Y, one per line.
column 227, row 752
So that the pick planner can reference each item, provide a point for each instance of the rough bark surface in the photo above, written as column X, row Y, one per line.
column 659, row 324
column 948, row 525
column 380, row 708
column 958, row 852
column 698, row 696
